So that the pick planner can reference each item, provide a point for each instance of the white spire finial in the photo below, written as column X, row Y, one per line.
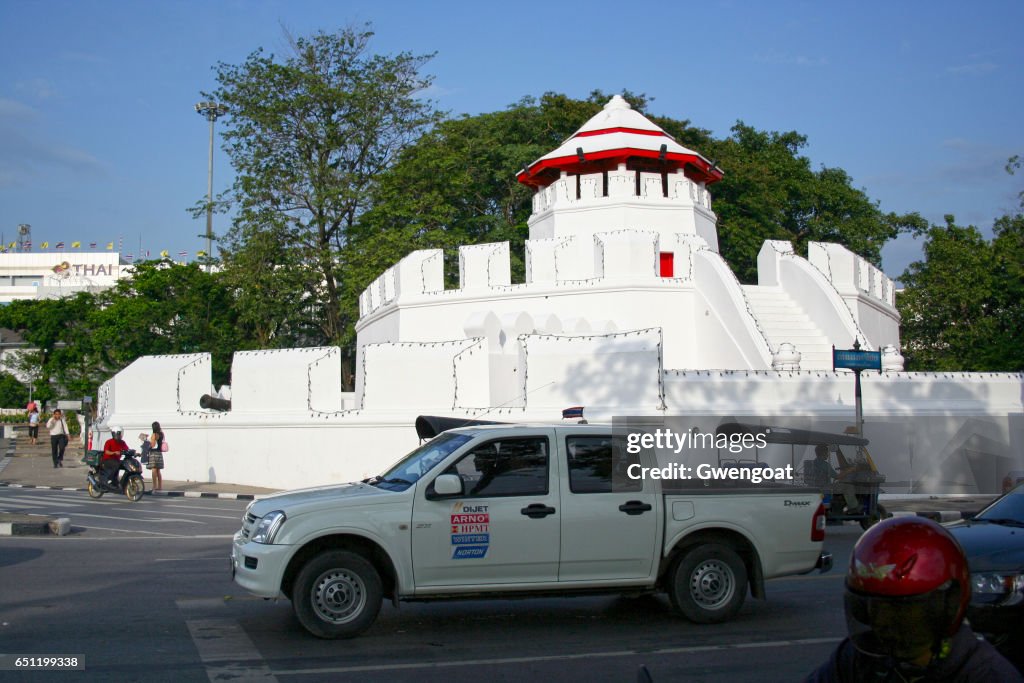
column 616, row 102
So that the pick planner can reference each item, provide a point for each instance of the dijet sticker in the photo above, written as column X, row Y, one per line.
column 471, row 531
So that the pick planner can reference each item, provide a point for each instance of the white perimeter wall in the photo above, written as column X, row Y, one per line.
column 612, row 374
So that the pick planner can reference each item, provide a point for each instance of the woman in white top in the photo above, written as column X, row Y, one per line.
column 33, row 425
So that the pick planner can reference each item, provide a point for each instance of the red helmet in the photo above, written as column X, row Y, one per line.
column 907, row 588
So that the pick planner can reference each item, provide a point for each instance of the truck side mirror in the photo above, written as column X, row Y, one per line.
column 448, row 485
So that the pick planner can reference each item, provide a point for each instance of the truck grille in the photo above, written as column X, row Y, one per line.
column 248, row 520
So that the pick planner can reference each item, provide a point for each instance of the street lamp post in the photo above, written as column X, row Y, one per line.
column 211, row 111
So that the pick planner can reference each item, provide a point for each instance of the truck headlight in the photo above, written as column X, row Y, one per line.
column 267, row 527
column 998, row 588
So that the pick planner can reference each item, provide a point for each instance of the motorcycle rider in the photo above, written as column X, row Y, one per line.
column 111, row 462
column 907, row 590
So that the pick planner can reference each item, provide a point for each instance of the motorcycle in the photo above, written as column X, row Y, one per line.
column 129, row 476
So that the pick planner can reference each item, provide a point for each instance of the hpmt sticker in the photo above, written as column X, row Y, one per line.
column 470, row 531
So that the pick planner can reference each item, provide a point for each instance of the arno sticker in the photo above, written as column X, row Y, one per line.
column 471, row 531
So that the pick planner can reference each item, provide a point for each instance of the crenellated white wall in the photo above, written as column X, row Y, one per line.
column 610, row 374
column 813, row 292
column 869, row 294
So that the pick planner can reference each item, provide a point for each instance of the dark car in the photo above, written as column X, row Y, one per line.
column 994, row 543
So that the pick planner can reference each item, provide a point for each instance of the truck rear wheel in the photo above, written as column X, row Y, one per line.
column 708, row 583
column 337, row 594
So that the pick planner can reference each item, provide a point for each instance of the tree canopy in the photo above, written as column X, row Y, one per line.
column 963, row 305
column 308, row 136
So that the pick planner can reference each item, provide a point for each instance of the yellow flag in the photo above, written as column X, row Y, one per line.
column 110, row 246
column 164, row 254
column 44, row 245
column 200, row 254
column 76, row 245
column 12, row 245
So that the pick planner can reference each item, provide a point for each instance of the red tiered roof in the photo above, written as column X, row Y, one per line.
column 615, row 136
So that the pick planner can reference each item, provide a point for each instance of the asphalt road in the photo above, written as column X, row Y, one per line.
column 143, row 592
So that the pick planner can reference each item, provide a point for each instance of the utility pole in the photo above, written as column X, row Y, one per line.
column 211, row 111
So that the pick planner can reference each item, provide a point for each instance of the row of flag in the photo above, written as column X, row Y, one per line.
column 59, row 246
column 27, row 246
column 163, row 254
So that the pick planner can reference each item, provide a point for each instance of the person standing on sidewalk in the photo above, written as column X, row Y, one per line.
column 153, row 450
column 59, row 434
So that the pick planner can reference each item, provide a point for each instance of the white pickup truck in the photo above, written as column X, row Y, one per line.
column 519, row 509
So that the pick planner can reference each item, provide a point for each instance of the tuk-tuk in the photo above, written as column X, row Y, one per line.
column 856, row 468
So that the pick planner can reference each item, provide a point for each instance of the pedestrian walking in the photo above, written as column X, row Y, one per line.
column 59, row 434
column 33, row 425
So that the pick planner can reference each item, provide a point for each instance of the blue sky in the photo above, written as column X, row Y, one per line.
column 921, row 102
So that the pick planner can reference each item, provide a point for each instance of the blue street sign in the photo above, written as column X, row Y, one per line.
column 854, row 359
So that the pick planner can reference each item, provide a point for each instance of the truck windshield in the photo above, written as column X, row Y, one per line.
column 413, row 466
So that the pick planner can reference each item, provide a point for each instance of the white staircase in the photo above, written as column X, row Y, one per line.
column 783, row 320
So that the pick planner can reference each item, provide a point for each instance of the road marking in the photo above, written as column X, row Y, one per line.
column 190, row 559
column 203, row 507
column 227, row 652
column 158, row 537
column 129, row 531
column 554, row 658
column 237, row 518
column 156, row 520
column 64, row 500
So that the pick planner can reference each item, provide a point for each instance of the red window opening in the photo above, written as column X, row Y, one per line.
column 665, row 264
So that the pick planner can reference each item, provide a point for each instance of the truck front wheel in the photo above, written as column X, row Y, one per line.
column 708, row 583
column 337, row 594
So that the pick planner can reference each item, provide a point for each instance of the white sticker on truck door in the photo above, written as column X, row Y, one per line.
column 471, row 531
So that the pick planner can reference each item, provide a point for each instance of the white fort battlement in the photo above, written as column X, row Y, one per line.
column 626, row 307
column 616, row 283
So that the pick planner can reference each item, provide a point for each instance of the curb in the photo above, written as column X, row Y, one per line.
column 168, row 494
column 36, row 525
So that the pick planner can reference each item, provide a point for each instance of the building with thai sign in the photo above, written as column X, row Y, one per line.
column 47, row 275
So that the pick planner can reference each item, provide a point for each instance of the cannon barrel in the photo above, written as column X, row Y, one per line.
column 214, row 403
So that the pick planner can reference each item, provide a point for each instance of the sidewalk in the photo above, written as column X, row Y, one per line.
column 28, row 466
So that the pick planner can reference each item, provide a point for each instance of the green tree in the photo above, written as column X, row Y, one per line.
column 165, row 308
column 1014, row 164
column 77, row 343
column 13, row 394
column 308, row 136
column 962, row 305
column 56, row 333
column 270, row 282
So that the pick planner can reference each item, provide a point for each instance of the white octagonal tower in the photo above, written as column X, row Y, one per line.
column 621, row 171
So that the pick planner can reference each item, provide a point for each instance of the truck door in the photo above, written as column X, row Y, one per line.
column 606, row 534
column 503, row 529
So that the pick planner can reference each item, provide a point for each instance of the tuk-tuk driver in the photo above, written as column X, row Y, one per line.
column 825, row 473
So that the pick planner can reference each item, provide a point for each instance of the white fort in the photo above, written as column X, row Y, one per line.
column 627, row 308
